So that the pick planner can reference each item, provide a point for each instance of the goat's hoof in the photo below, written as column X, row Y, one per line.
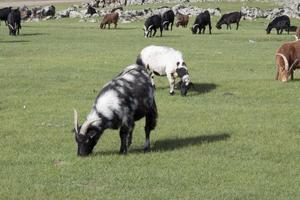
column 172, row 93
column 146, row 149
column 123, row 152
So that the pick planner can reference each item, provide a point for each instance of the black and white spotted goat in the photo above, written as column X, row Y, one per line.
column 165, row 61
column 124, row 100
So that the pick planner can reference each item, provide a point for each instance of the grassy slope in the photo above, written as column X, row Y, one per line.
column 236, row 137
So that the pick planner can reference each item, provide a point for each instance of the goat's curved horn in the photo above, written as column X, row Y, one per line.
column 165, row 22
column 286, row 64
column 292, row 66
column 149, row 28
column 86, row 125
column 195, row 25
column 13, row 28
column 75, row 121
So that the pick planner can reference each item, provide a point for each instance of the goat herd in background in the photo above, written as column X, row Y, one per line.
column 130, row 95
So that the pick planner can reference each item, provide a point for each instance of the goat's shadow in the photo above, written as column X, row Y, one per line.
column 15, row 41
column 32, row 34
column 171, row 144
column 201, row 88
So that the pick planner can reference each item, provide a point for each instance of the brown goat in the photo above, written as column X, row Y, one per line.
column 108, row 19
column 297, row 35
column 182, row 20
column 287, row 60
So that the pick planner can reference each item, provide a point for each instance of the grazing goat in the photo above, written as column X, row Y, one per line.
column 167, row 19
column 122, row 101
column 108, row 19
column 297, row 35
column 279, row 23
column 202, row 20
column 151, row 24
column 14, row 22
column 161, row 61
column 287, row 60
column 182, row 20
column 228, row 19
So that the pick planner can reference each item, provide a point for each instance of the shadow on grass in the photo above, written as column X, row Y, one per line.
column 15, row 41
column 195, row 89
column 178, row 143
column 201, row 88
column 33, row 34
column 171, row 144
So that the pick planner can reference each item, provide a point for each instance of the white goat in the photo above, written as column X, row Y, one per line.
column 165, row 61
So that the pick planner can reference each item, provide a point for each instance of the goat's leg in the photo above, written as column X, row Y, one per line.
column 237, row 25
column 172, row 26
column 277, row 74
column 154, row 32
column 229, row 26
column 203, row 30
column 108, row 25
column 129, row 136
column 171, row 83
column 209, row 26
column 292, row 74
column 124, row 131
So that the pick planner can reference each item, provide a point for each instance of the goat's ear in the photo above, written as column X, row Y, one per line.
column 177, row 63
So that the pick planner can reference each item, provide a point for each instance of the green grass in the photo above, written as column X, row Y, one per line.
column 235, row 137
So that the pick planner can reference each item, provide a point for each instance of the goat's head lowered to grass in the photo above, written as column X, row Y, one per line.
column 86, row 135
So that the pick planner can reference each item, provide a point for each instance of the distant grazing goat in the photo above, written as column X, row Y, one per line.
column 182, row 20
column 168, row 19
column 279, row 23
column 228, row 19
column 14, row 22
column 112, row 17
column 201, row 21
column 122, row 101
column 287, row 59
column 151, row 24
column 165, row 61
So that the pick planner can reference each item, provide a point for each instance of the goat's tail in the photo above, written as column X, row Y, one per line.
column 151, row 117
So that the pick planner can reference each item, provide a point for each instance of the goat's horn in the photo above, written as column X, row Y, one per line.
column 292, row 66
column 11, row 27
column 195, row 25
column 75, row 121
column 165, row 22
column 286, row 64
column 149, row 28
column 86, row 125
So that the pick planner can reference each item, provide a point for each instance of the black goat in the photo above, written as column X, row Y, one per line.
column 228, row 19
column 202, row 20
column 14, row 22
column 124, row 100
column 279, row 23
column 151, row 24
column 168, row 19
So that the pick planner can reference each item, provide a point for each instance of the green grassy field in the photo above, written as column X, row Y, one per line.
column 235, row 136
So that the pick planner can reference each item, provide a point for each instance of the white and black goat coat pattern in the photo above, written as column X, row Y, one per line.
column 165, row 61
column 122, row 101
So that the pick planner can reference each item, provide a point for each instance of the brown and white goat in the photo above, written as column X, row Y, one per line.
column 108, row 19
column 287, row 60
column 182, row 20
column 297, row 35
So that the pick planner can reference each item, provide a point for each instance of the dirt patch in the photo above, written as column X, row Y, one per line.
column 18, row 3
